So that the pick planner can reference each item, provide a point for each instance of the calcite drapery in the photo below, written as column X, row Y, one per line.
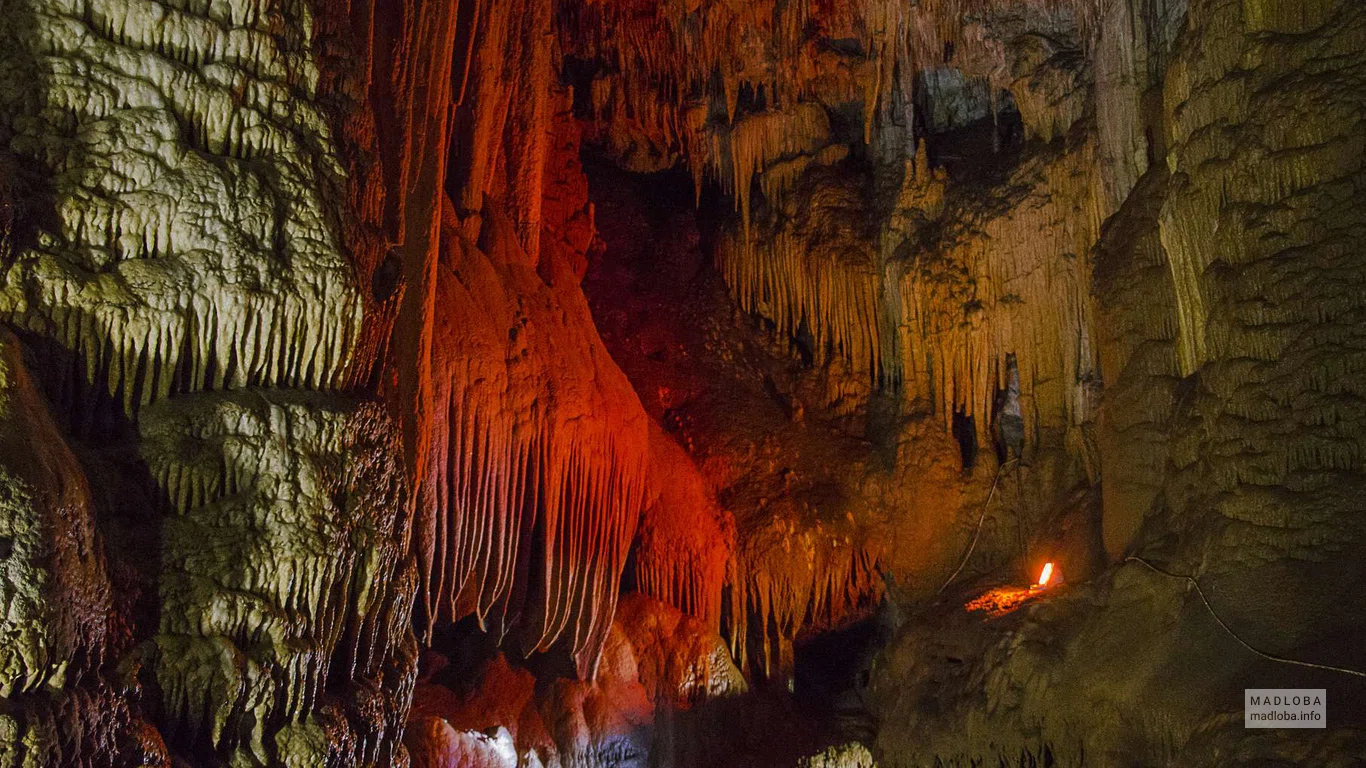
column 536, row 477
column 685, row 539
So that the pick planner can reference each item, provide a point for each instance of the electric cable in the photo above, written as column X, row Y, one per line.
column 1234, row 635
column 981, row 519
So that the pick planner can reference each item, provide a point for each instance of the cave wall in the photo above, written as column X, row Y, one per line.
column 1226, row 300
column 59, row 623
column 317, row 374
column 183, row 223
column 304, row 350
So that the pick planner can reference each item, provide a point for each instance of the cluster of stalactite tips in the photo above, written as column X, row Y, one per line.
column 316, row 449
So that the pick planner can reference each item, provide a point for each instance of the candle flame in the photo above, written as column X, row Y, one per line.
column 1045, row 575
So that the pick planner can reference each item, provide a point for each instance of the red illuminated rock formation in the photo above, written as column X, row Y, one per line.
column 567, row 228
column 815, row 507
column 536, row 477
column 656, row 664
column 685, row 540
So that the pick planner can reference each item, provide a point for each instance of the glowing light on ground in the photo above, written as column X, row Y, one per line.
column 1045, row 576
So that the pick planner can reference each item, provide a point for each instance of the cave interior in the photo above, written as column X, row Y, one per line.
column 669, row 383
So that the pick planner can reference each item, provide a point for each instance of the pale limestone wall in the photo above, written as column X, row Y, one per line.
column 184, row 189
column 284, row 590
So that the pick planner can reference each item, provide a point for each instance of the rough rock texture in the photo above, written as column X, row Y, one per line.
column 56, row 630
column 181, row 235
column 1231, row 309
column 926, row 294
column 191, row 203
column 285, row 591
column 1143, row 387
column 657, row 665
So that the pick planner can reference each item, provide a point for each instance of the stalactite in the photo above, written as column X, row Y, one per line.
column 836, row 302
column 193, row 244
column 785, row 580
column 536, row 479
column 661, row 61
column 815, row 270
column 1009, row 280
column 1008, row 275
column 685, row 540
column 896, row 322
column 735, row 155
column 668, row 71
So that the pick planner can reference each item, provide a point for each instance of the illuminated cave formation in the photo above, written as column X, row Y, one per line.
column 607, row 383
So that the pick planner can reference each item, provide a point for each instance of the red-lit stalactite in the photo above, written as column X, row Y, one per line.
column 526, row 443
column 685, row 539
column 567, row 217
column 502, row 125
column 531, row 494
column 388, row 76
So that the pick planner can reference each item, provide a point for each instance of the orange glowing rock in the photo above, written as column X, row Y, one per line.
column 1000, row 601
column 1003, row 600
